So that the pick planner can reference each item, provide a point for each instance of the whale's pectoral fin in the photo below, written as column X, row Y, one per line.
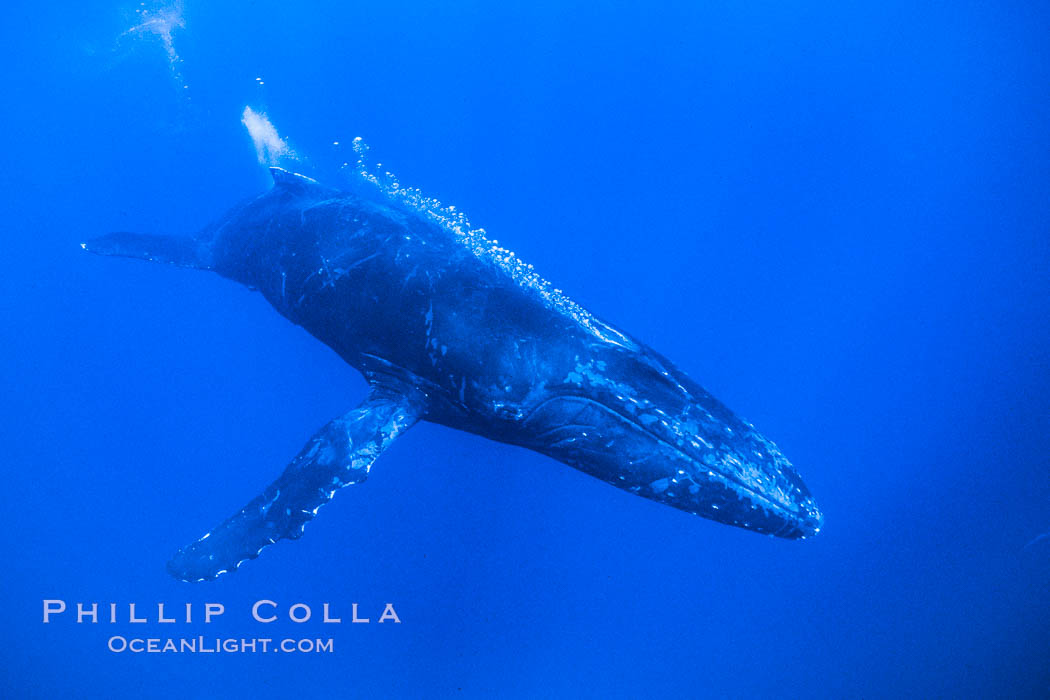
column 341, row 453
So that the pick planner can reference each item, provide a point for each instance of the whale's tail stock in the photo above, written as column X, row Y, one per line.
column 183, row 251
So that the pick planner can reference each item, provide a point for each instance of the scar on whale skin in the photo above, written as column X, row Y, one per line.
column 447, row 326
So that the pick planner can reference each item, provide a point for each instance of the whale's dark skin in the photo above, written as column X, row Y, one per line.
column 449, row 328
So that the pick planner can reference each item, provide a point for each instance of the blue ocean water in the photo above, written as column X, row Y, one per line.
column 833, row 216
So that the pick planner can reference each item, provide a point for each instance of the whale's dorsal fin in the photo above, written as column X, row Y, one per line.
column 294, row 182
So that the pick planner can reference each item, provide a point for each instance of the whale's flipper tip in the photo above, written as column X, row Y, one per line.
column 339, row 454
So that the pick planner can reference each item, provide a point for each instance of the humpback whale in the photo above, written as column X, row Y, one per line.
column 448, row 327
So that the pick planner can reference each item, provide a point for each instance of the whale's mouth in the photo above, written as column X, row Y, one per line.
column 755, row 509
column 732, row 476
column 785, row 509
column 806, row 520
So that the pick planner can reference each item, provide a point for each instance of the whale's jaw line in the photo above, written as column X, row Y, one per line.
column 721, row 470
column 799, row 524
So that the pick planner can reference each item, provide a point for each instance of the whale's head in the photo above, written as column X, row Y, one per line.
column 635, row 421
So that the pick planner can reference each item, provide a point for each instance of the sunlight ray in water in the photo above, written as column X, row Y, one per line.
column 1037, row 539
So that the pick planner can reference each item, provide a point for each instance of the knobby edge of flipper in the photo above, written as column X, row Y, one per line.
column 339, row 454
